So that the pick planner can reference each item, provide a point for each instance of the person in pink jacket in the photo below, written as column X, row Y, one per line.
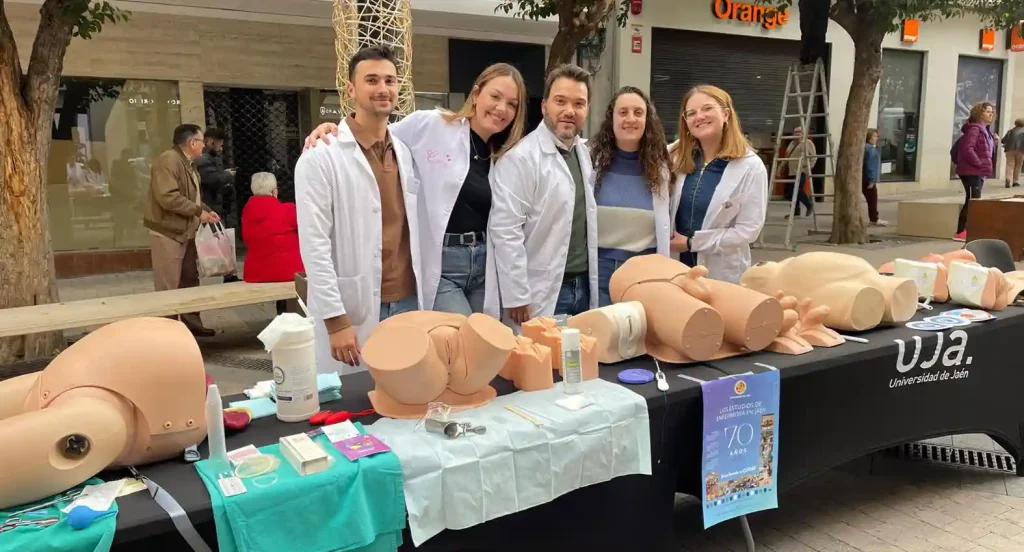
column 974, row 158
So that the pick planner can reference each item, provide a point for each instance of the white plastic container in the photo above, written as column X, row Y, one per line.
column 215, row 429
column 572, row 368
column 294, row 359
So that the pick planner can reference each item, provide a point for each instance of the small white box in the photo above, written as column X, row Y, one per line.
column 303, row 454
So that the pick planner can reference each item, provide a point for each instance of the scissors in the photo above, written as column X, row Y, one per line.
column 13, row 523
column 66, row 497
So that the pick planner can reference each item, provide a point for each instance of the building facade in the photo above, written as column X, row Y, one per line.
column 930, row 78
column 261, row 70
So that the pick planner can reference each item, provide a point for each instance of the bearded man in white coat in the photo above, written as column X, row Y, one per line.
column 542, row 231
column 356, row 206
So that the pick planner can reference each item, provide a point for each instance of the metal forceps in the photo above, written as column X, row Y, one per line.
column 13, row 523
column 66, row 497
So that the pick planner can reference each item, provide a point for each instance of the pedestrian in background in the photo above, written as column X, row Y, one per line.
column 974, row 158
column 1013, row 145
column 870, row 175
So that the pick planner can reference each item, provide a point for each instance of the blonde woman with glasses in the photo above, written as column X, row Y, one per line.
column 724, row 191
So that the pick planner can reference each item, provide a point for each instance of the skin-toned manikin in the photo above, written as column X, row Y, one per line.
column 691, row 317
column 941, row 291
column 419, row 357
column 858, row 297
column 129, row 393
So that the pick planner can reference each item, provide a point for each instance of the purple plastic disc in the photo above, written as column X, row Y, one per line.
column 636, row 376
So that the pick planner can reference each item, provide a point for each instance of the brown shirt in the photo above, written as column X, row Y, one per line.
column 397, row 279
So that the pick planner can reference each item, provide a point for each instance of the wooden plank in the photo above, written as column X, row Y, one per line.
column 95, row 312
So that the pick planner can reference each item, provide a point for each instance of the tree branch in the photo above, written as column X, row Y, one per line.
column 47, row 61
column 10, row 63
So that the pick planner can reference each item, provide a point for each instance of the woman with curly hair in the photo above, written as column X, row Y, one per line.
column 724, row 194
column 632, row 185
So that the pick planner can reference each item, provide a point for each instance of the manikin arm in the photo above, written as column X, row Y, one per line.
column 38, row 460
column 314, row 204
column 506, row 229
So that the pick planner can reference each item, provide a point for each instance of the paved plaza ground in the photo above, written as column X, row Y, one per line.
column 874, row 504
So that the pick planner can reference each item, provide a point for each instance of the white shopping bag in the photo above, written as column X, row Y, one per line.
column 215, row 247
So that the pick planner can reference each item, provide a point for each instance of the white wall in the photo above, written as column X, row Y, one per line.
column 943, row 42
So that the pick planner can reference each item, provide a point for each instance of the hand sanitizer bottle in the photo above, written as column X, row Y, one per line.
column 572, row 369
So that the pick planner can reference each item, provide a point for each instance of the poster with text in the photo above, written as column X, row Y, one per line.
column 741, row 446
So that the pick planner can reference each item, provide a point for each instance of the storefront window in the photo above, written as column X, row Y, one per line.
column 105, row 135
column 977, row 80
column 899, row 113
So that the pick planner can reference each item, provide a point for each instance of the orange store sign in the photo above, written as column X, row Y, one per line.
column 767, row 16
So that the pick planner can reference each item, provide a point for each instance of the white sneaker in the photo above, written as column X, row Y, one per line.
column 880, row 223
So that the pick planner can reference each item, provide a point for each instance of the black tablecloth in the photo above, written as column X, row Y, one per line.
column 836, row 404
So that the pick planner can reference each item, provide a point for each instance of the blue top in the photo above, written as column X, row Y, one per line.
column 698, row 189
column 625, row 210
column 872, row 163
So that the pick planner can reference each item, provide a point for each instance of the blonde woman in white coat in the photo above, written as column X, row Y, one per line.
column 723, row 193
column 632, row 185
column 453, row 154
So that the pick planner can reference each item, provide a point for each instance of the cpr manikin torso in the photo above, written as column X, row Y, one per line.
column 691, row 317
column 129, row 393
column 858, row 297
column 420, row 357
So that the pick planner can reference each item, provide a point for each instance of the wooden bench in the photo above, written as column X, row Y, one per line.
column 96, row 312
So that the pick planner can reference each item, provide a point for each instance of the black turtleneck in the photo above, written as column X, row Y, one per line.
column 474, row 202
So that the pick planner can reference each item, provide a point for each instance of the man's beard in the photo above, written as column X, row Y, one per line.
column 372, row 106
column 552, row 125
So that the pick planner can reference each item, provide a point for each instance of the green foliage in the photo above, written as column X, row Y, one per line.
column 540, row 9
column 88, row 17
column 889, row 14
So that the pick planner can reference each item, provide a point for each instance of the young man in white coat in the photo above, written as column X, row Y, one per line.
column 356, row 203
column 542, row 231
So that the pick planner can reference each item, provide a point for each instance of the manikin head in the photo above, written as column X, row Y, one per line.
column 189, row 139
column 373, row 81
column 566, row 101
column 631, row 124
column 214, row 141
column 708, row 121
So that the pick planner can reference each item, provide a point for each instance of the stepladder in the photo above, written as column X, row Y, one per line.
column 804, row 153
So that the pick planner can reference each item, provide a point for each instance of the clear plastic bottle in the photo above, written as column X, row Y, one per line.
column 572, row 368
column 215, row 429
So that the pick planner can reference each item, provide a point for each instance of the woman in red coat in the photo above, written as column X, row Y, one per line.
column 271, row 234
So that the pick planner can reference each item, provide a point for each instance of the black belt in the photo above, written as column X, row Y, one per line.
column 467, row 238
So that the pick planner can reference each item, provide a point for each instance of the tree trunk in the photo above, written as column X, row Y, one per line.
column 848, row 221
column 26, row 109
column 563, row 48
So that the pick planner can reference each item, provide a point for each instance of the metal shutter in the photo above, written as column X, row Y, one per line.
column 751, row 69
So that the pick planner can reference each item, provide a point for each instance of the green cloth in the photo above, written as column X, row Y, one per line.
column 59, row 537
column 352, row 506
column 577, row 261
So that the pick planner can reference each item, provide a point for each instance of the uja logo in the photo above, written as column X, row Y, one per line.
column 952, row 356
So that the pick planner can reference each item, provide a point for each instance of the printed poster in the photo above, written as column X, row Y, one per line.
column 741, row 446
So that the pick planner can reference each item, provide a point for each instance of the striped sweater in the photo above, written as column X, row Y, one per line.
column 625, row 210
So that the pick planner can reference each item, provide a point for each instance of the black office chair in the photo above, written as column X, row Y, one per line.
column 992, row 253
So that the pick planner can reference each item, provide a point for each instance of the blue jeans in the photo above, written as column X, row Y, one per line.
column 574, row 297
column 387, row 310
column 605, row 268
column 461, row 288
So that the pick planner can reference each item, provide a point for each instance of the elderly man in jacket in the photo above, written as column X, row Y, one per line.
column 174, row 210
column 1013, row 146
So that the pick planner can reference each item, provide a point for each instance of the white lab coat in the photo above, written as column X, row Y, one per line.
column 530, row 224
column 734, row 218
column 440, row 151
column 340, row 236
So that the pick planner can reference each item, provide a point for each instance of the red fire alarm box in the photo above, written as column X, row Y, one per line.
column 636, row 6
column 638, row 44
